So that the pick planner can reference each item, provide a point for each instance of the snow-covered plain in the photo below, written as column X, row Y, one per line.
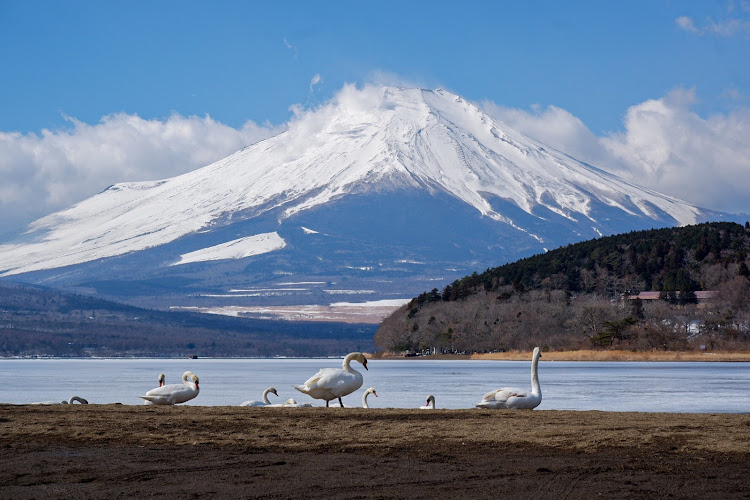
column 347, row 312
column 370, row 140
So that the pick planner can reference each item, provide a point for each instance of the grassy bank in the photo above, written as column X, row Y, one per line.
column 591, row 355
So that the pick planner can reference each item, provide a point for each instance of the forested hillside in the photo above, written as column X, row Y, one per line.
column 41, row 322
column 578, row 297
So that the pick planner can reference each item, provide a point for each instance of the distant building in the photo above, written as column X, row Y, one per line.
column 702, row 295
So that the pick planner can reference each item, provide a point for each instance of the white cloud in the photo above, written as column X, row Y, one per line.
column 736, row 23
column 315, row 80
column 664, row 146
column 47, row 172
column 669, row 147
column 554, row 127
column 291, row 47
column 687, row 24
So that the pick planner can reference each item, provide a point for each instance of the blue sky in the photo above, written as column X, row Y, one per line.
column 78, row 67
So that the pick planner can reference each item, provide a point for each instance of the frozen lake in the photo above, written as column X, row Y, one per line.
column 607, row 386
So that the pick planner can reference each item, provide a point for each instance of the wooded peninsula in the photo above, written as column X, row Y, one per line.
column 593, row 295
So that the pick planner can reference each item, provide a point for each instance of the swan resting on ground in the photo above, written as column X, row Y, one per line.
column 369, row 391
column 265, row 401
column 334, row 383
column 175, row 393
column 510, row 398
column 70, row 401
column 162, row 380
column 289, row 403
column 430, row 403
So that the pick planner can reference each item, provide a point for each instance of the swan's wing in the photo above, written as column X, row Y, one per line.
column 157, row 400
column 185, row 394
column 323, row 375
column 166, row 390
column 341, row 382
column 170, row 394
column 331, row 383
column 504, row 394
column 253, row 403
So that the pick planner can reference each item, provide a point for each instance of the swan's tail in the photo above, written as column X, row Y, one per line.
column 301, row 388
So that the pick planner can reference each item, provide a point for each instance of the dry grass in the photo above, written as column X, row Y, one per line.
column 591, row 355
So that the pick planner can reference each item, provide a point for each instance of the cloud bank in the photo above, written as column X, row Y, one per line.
column 48, row 172
column 664, row 146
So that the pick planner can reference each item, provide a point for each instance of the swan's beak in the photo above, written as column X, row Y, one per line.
column 375, row 393
column 365, row 365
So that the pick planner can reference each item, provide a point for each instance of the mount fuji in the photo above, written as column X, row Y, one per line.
column 381, row 193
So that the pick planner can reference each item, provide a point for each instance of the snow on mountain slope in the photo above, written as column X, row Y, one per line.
column 236, row 249
column 375, row 139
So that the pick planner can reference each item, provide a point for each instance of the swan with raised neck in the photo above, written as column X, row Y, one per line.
column 511, row 398
column 175, row 393
column 430, row 403
column 334, row 383
column 370, row 390
column 265, row 402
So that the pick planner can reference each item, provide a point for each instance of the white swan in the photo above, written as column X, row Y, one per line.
column 265, row 401
column 162, row 380
column 289, row 403
column 369, row 391
column 430, row 403
column 70, row 401
column 175, row 393
column 334, row 383
column 510, row 398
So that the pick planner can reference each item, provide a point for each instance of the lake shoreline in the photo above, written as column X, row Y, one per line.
column 586, row 355
column 581, row 355
column 107, row 451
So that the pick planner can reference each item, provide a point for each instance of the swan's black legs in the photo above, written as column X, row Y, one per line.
column 327, row 403
column 341, row 403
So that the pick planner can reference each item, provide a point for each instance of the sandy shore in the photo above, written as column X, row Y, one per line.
column 98, row 451
column 591, row 355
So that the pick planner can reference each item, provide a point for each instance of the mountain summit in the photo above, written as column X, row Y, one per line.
column 380, row 185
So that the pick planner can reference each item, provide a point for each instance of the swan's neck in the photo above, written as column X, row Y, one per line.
column 265, row 396
column 346, row 365
column 535, row 388
column 364, row 400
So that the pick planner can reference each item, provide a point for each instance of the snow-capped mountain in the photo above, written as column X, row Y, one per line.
column 380, row 185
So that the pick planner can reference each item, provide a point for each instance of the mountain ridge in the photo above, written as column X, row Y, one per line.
column 496, row 194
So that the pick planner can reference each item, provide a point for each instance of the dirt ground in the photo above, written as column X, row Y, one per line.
column 115, row 451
